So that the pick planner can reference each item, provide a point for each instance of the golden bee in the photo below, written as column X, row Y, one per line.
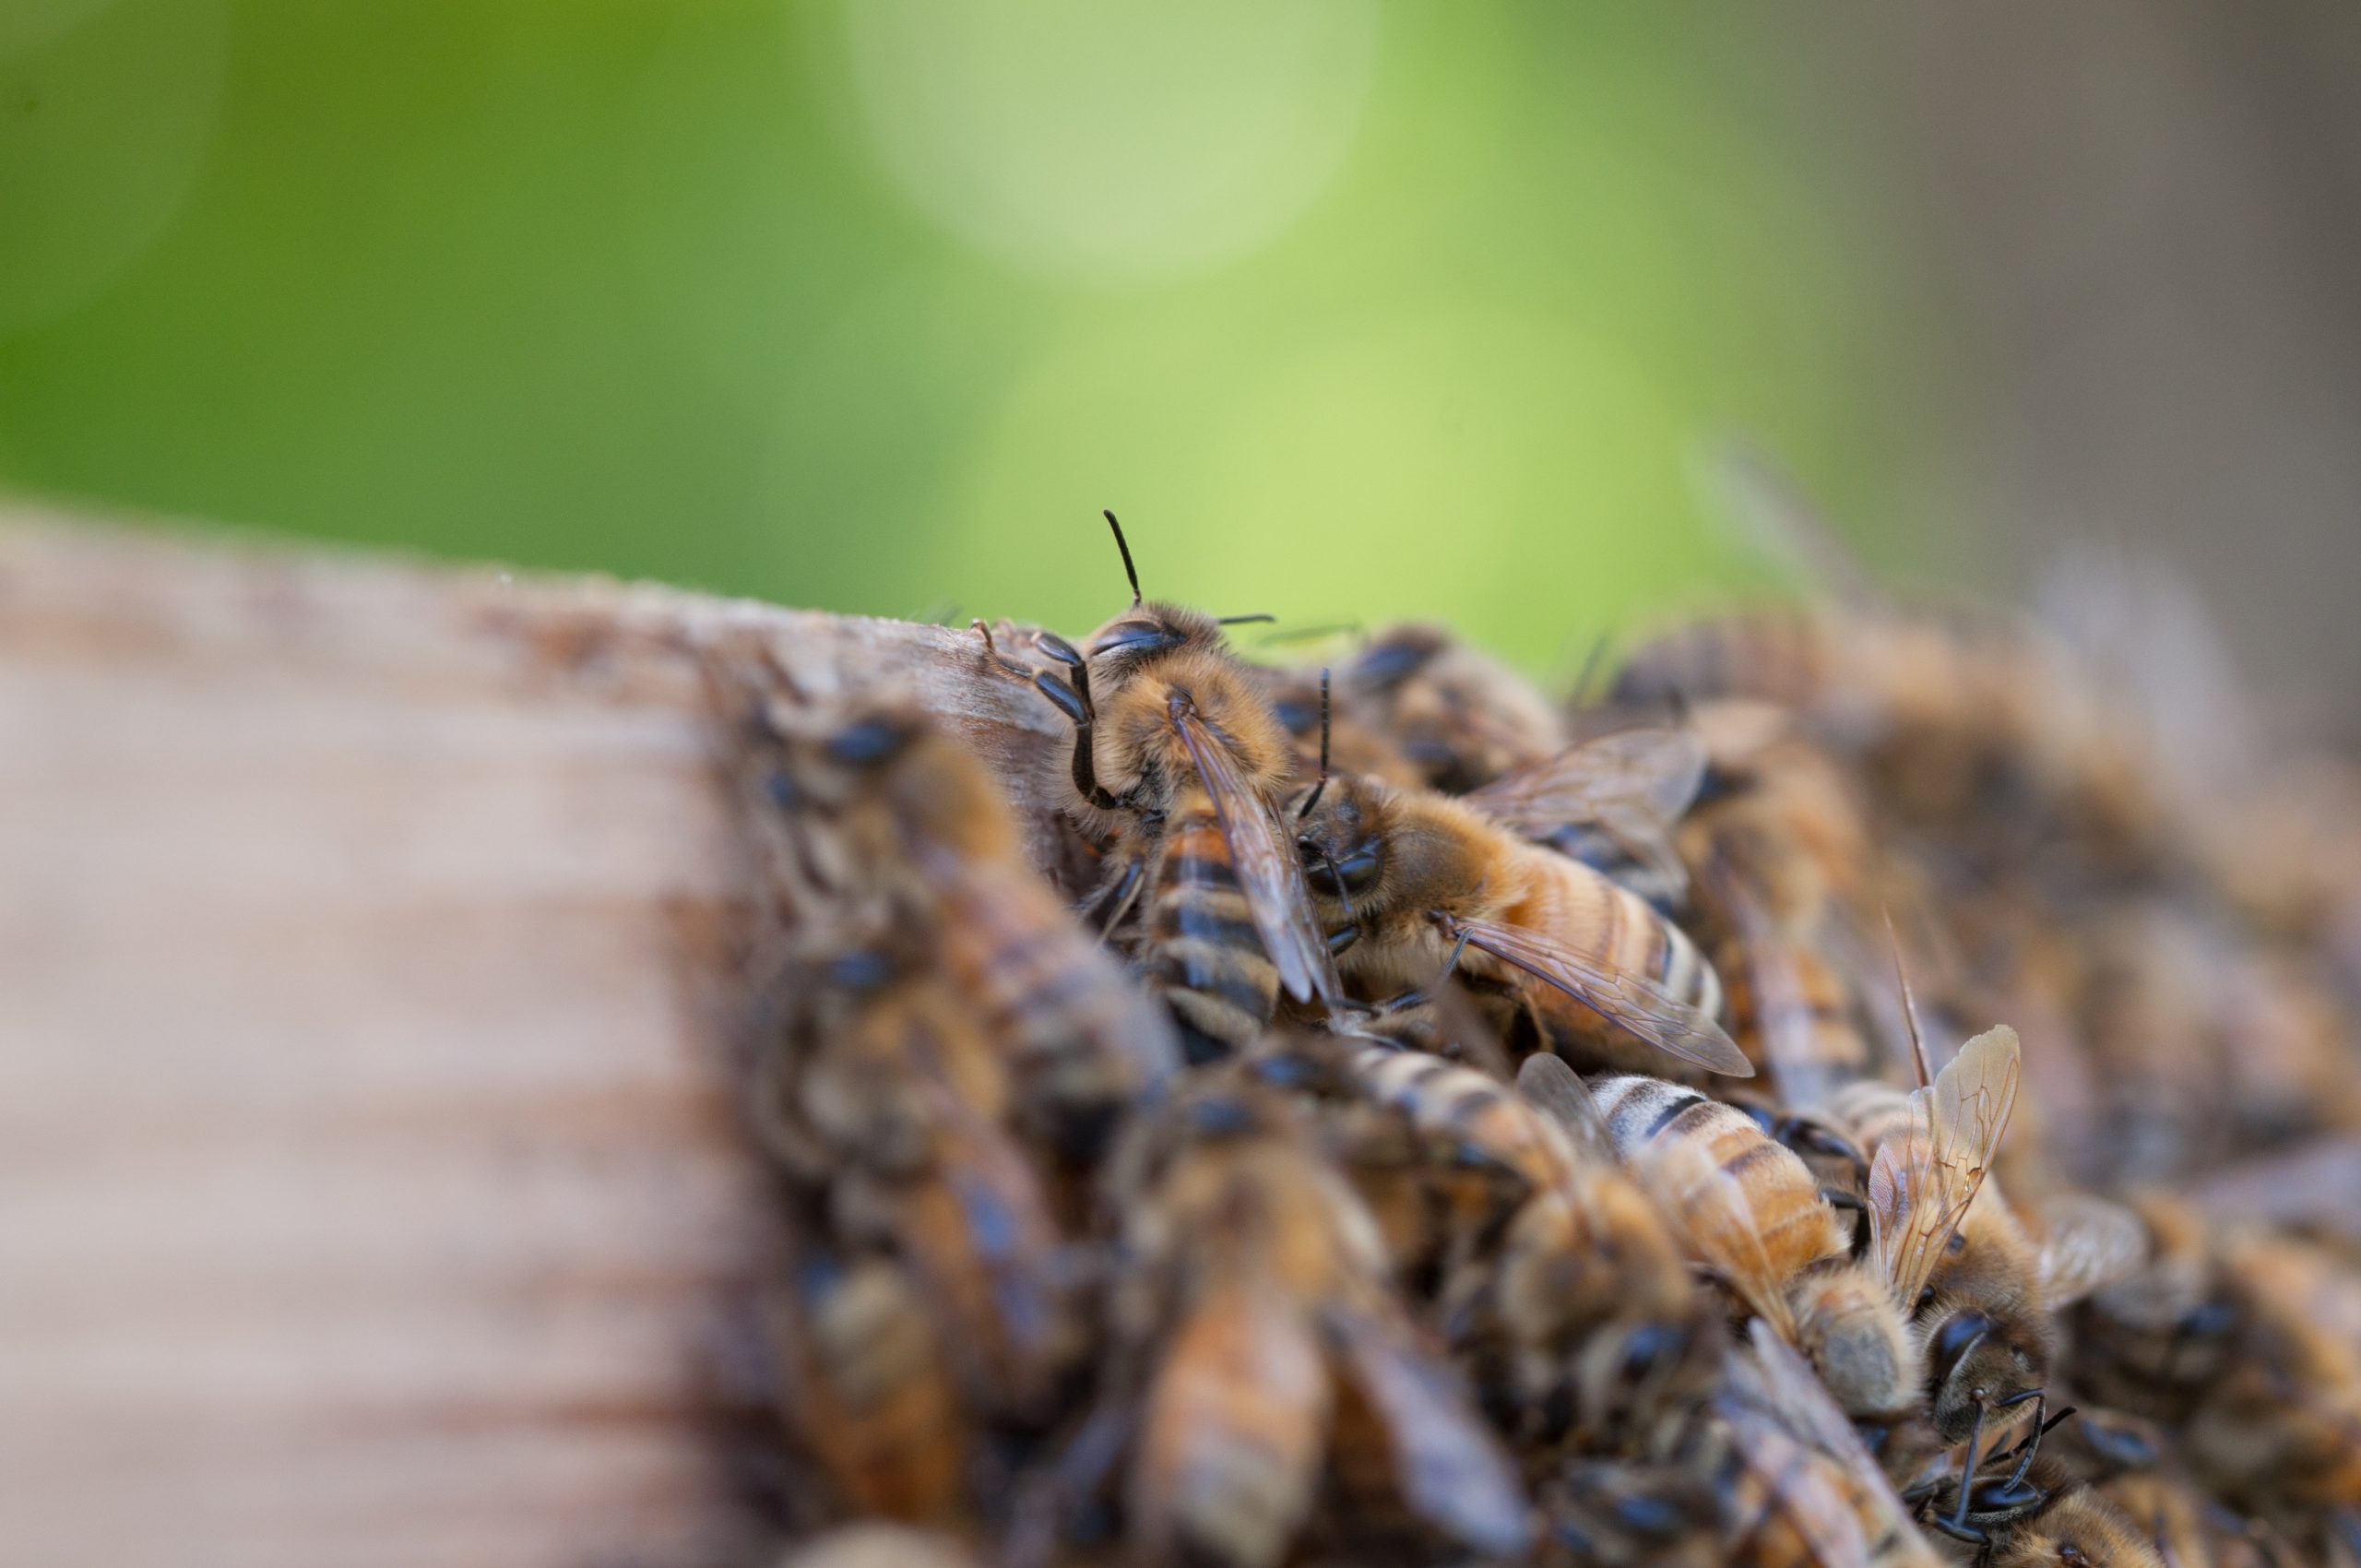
column 1985, row 1298
column 1558, row 1282
column 877, row 784
column 1750, row 1211
column 2039, row 1519
column 1416, row 884
column 1611, row 802
column 890, row 1095
column 1256, row 1322
column 1178, row 758
column 866, row 1388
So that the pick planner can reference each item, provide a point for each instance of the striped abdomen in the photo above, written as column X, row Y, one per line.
column 1792, row 1013
column 1201, row 947
column 1478, row 1111
column 1615, row 930
column 1778, row 655
column 1871, row 1112
column 867, row 1391
column 1082, row 1041
column 1797, row 1227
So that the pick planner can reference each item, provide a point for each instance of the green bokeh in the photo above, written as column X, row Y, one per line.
column 655, row 290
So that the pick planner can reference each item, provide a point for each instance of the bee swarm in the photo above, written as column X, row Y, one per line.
column 481, row 1060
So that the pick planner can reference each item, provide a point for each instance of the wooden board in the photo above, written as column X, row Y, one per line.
column 371, row 1190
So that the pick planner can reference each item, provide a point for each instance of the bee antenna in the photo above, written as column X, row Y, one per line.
column 1318, row 789
column 1119, row 544
column 1243, row 619
column 1589, row 672
column 1909, row 1003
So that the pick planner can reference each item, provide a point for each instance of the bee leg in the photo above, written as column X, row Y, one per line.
column 1967, row 1470
column 1074, row 703
column 1837, row 1197
column 1806, row 1136
column 1105, row 911
column 1972, row 1534
column 2024, row 1451
column 1043, row 1500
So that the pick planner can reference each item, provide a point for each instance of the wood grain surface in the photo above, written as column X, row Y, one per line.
column 370, row 1189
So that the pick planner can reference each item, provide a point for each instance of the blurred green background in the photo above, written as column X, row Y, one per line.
column 1352, row 310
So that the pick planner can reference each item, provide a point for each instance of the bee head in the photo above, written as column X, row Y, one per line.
column 1146, row 633
column 1342, row 838
column 1392, row 656
column 1974, row 1357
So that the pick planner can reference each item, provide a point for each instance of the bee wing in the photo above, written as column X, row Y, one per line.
column 2091, row 1245
column 1639, row 780
column 1624, row 999
column 1707, row 1208
column 1551, row 1086
column 1449, row 1466
column 1922, row 1182
column 1270, row 875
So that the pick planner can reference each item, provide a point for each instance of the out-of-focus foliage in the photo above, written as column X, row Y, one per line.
column 1354, row 309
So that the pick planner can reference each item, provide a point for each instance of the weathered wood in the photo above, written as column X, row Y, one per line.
column 369, row 1182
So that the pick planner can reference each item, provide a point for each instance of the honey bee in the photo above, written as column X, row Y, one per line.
column 1611, row 1339
column 1750, row 1211
column 2278, row 1427
column 1950, row 710
column 1416, row 884
column 1176, row 755
column 1769, row 1474
column 2040, row 1519
column 1266, row 1341
column 882, row 787
column 891, row 1098
column 866, row 1388
column 2152, row 1341
column 1563, row 1286
column 1461, row 718
column 2187, row 1528
column 1809, row 1490
column 1611, row 802
column 1330, row 733
column 1983, row 1300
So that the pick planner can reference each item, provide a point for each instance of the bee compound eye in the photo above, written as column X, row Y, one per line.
column 1956, row 1339
column 862, row 972
column 868, row 741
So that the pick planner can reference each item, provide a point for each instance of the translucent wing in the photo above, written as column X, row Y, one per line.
column 1923, row 1179
column 1628, row 1001
column 1549, row 1086
column 2091, row 1243
column 1450, row 1467
column 1633, row 784
column 1270, row 877
column 1708, row 1208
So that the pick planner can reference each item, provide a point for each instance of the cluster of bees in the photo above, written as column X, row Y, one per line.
column 1748, row 1114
